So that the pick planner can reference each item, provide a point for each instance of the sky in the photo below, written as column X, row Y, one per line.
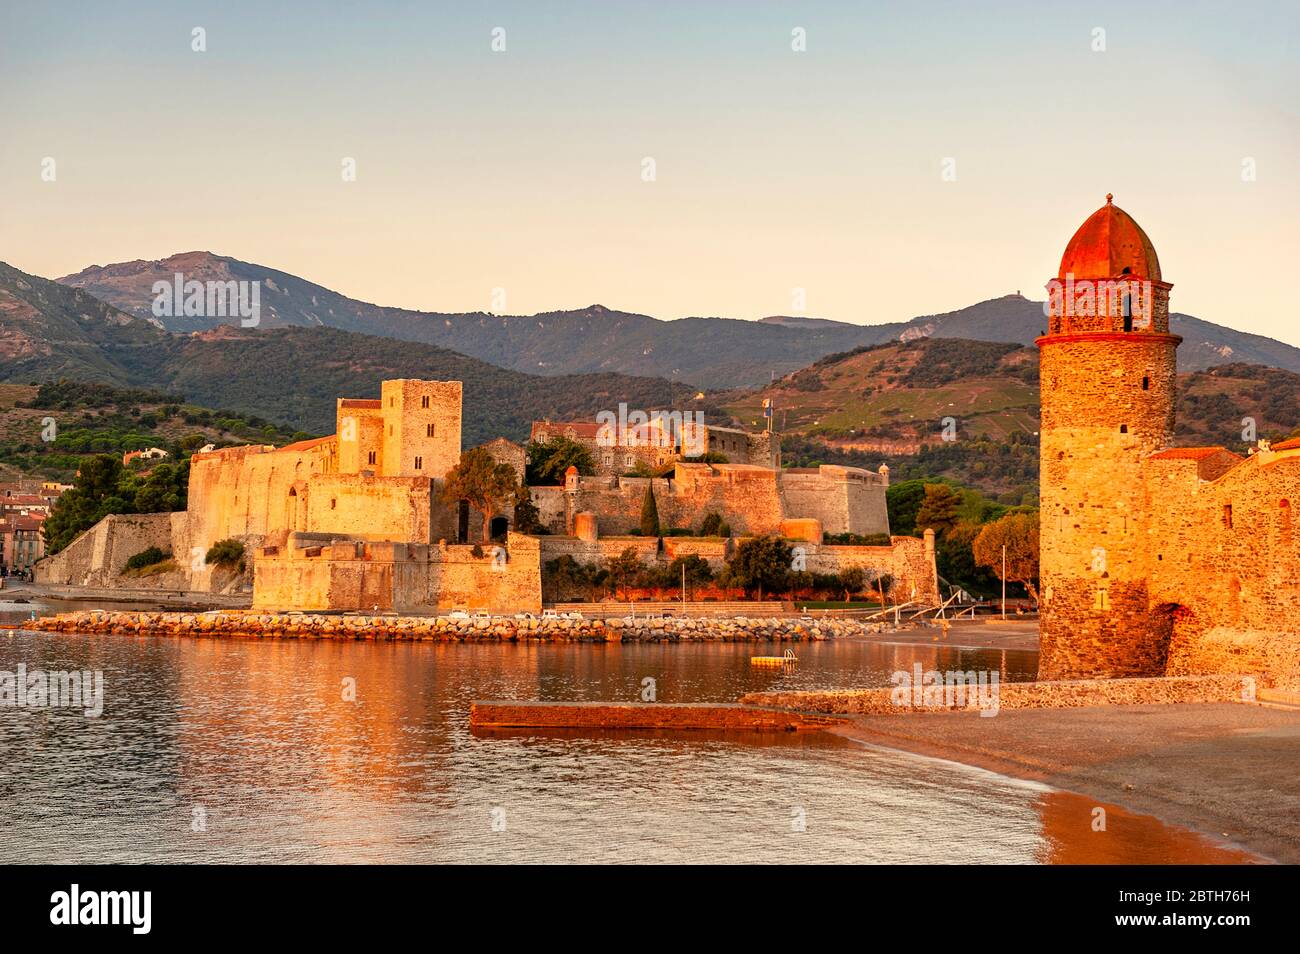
column 912, row 159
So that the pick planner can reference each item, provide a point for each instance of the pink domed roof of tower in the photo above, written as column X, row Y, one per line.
column 1110, row 245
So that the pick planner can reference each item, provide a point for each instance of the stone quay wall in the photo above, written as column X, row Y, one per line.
column 510, row 714
column 1074, row 694
column 254, row 625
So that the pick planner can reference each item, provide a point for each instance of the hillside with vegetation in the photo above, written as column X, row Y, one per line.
column 50, row 430
column 892, row 403
column 712, row 352
column 292, row 375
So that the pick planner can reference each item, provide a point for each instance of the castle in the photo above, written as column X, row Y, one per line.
column 357, row 520
column 1154, row 559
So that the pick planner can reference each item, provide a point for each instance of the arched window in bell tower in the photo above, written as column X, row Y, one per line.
column 1127, row 311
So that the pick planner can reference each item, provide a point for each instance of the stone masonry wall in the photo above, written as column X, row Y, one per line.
column 1099, row 423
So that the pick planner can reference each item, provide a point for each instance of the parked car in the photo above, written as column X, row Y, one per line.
column 458, row 614
column 525, row 617
column 482, row 614
column 550, row 614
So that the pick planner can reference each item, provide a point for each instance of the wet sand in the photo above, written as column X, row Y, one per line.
column 1226, row 770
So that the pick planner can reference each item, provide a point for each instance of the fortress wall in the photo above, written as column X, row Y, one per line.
column 908, row 560
column 370, row 508
column 339, row 576
column 844, row 499
column 746, row 498
column 243, row 492
column 96, row 557
column 1228, row 580
column 753, row 500
column 459, row 580
column 596, row 551
column 712, row 549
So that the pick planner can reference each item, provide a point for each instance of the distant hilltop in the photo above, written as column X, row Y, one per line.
column 709, row 352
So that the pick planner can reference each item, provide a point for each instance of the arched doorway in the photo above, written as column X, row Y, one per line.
column 498, row 527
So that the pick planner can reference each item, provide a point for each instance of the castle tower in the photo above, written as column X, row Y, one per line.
column 1107, row 395
column 421, row 427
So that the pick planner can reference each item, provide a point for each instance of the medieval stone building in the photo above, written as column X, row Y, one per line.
column 1154, row 559
column 356, row 520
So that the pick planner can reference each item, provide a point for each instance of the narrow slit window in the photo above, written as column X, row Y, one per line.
column 1146, row 383
column 1227, row 516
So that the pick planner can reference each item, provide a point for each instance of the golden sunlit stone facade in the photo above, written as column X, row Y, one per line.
column 1152, row 557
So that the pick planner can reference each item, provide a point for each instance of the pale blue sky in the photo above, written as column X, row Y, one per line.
column 775, row 170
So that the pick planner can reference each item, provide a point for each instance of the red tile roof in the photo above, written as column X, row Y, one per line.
column 1290, row 444
column 307, row 445
column 361, row 402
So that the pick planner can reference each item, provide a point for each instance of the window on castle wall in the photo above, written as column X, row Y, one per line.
column 1123, row 428
column 370, row 458
column 333, row 503
column 428, row 430
column 1227, row 516
column 1146, row 383
column 424, row 401
column 419, row 463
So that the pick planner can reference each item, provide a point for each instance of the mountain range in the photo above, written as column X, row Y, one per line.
column 709, row 352
column 288, row 374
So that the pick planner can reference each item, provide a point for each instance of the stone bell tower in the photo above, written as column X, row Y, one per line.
column 1107, row 395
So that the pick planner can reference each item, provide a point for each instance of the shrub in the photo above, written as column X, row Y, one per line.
column 228, row 552
column 146, row 557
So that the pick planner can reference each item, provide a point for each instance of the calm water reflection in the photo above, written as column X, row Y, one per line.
column 255, row 740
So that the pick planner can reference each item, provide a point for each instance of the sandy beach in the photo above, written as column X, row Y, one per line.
column 1226, row 770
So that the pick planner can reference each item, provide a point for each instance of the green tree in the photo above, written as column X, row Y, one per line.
column 624, row 569
column 94, row 495
column 956, row 560
column 548, row 462
column 697, row 571
column 903, row 500
column 938, row 510
column 649, row 513
column 527, row 519
column 760, row 563
column 1018, row 532
column 852, row 579
column 479, row 479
